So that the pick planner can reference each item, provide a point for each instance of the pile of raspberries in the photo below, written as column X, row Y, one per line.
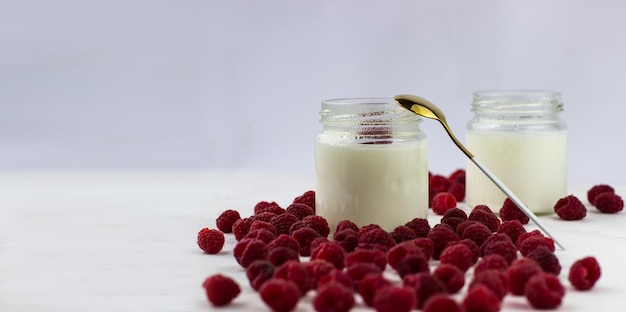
column 290, row 252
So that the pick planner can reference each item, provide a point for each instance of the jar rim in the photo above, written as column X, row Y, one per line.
column 517, row 101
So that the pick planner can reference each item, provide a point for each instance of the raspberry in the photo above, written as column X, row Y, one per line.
column 305, row 237
column 535, row 241
column 412, row 264
column 455, row 213
column 474, row 249
column 598, row 189
column 226, row 220
column 460, row 228
column 481, row 299
column 546, row 259
column 283, row 222
column 526, row 235
column 263, row 216
column 348, row 239
column 504, row 248
column 438, row 183
column 491, row 262
column 403, row 233
column 333, row 297
column 296, row 226
column 399, row 251
column 453, row 222
column 318, row 241
column 262, row 234
column 609, row 202
column 280, row 255
column 458, row 255
column 451, row 276
column 495, row 237
column 296, row 272
column 520, row 271
column 488, row 218
column 265, row 206
column 346, row 225
column 376, row 238
column 241, row 228
column 210, row 241
column 280, row 295
column 331, row 252
column 395, row 299
column 484, row 208
column 441, row 236
column 299, row 210
column 258, row 224
column 441, row 303
column 373, row 256
column 544, row 291
column 457, row 190
column 319, row 224
column 220, row 289
column 476, row 232
column 457, row 176
column 425, row 286
column 284, row 240
column 369, row 227
column 419, row 226
column 258, row 272
column 426, row 245
column 248, row 250
column 512, row 228
column 370, row 285
column 336, row 276
column 584, row 273
column 510, row 212
column 318, row 268
column 497, row 281
column 442, row 202
column 307, row 198
column 359, row 270
column 570, row 208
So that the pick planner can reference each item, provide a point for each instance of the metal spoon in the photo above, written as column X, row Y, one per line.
column 427, row 109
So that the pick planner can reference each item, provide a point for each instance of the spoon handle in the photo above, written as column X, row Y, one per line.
column 514, row 198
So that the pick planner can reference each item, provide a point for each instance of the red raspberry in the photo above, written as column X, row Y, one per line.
column 504, row 248
column 544, row 291
column 318, row 268
column 284, row 240
column 241, row 228
column 366, row 228
column 510, row 211
column 526, row 235
column 359, row 270
column 512, row 228
column 455, row 213
column 307, row 198
column 331, row 252
column 451, row 276
column 261, row 234
column 584, row 273
column 210, row 241
column 535, row 241
column 348, row 239
column 296, row 272
column 296, row 226
column 258, row 272
column 420, row 226
column 283, row 222
column 441, row 303
column 373, row 256
column 412, row 264
column 376, row 238
column 481, row 299
column 489, row 219
column 248, row 250
column 317, row 223
column 280, row 295
column 336, row 276
column 333, row 297
column 476, row 232
column 426, row 245
column 226, row 220
column 280, row 255
column 403, row 233
column 570, row 208
column 520, row 271
column 265, row 206
column 460, row 228
column 452, row 222
column 457, row 190
column 425, row 286
column 457, row 176
column 263, row 216
column 598, row 189
column 458, row 255
column 399, row 251
column 474, row 249
column 370, row 285
column 441, row 236
column 345, row 225
column 491, row 262
column 220, row 289
column 305, row 237
column 299, row 210
column 609, row 202
column 442, row 202
column 438, row 183
column 546, row 259
column 395, row 299
column 497, row 281
column 495, row 237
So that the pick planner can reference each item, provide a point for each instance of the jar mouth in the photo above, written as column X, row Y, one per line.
column 517, row 101
column 365, row 111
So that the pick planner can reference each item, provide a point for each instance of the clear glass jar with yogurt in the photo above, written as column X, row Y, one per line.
column 371, row 162
column 521, row 138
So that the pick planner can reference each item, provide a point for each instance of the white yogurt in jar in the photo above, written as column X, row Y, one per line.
column 532, row 164
column 385, row 184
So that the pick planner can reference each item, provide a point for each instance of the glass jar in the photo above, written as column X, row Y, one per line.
column 521, row 138
column 371, row 163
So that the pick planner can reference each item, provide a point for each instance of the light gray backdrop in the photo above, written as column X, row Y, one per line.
column 237, row 84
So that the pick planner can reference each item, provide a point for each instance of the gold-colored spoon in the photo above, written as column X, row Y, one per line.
column 427, row 109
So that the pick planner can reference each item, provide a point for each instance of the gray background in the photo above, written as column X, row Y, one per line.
column 238, row 84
